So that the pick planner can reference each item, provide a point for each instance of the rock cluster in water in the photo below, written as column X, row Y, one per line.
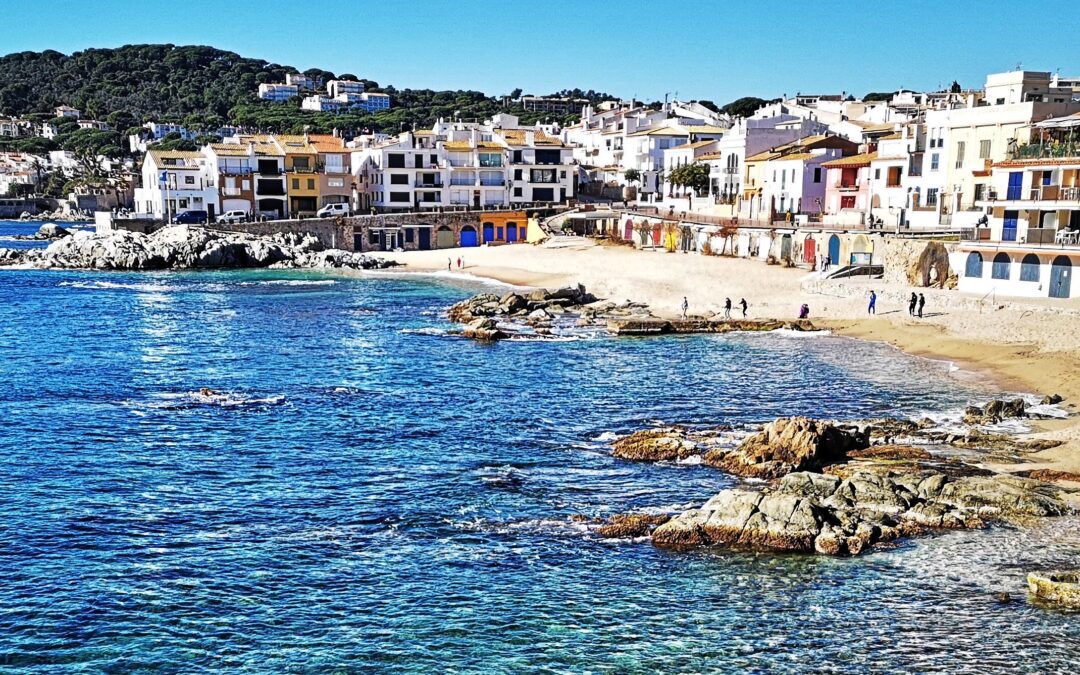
column 1061, row 588
column 995, row 411
column 183, row 246
column 47, row 232
column 833, row 491
column 491, row 317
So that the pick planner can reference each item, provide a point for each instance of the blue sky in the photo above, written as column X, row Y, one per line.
column 702, row 50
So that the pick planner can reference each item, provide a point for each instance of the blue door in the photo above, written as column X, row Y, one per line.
column 425, row 238
column 834, row 250
column 1008, row 229
column 468, row 236
column 511, row 232
column 1016, row 182
column 1060, row 272
column 489, row 232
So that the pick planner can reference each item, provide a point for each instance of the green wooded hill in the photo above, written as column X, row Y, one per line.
column 204, row 87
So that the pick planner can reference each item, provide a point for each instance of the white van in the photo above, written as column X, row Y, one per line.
column 232, row 217
column 331, row 210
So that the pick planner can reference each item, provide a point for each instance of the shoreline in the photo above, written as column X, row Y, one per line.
column 1011, row 365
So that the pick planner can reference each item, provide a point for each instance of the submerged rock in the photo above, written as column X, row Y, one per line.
column 630, row 525
column 788, row 444
column 811, row 512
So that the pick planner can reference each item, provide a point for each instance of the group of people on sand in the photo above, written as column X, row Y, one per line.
column 727, row 307
column 450, row 263
column 915, row 305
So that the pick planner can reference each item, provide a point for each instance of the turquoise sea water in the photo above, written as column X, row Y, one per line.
column 373, row 495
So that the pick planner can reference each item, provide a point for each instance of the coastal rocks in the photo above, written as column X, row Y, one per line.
column 185, row 247
column 810, row 512
column 1051, row 399
column 484, row 330
column 655, row 445
column 1059, row 588
column 47, row 232
column 630, row 525
column 995, row 411
column 787, row 445
column 537, row 305
column 654, row 326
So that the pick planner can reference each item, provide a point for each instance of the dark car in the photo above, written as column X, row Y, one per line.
column 191, row 218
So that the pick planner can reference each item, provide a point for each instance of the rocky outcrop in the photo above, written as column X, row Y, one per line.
column 995, row 411
column 811, row 512
column 536, row 305
column 46, row 232
column 655, row 445
column 630, row 525
column 1061, row 589
column 187, row 247
column 788, row 444
column 484, row 330
column 654, row 326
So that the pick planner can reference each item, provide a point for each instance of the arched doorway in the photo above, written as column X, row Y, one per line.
column 628, row 230
column 1000, row 268
column 834, row 250
column 489, row 232
column 973, row 266
column 444, row 237
column 468, row 236
column 511, row 232
column 785, row 247
column 1029, row 268
column 1060, row 277
column 810, row 251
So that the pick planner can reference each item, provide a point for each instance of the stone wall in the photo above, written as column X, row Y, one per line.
column 331, row 232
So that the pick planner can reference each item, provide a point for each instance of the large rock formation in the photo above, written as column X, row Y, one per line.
column 810, row 512
column 995, row 411
column 183, row 246
column 655, row 445
column 788, row 444
column 1056, row 588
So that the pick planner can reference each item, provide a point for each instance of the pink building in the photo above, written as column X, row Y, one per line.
column 847, row 189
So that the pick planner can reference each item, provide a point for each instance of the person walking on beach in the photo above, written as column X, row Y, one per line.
column 743, row 304
column 922, row 302
column 872, row 309
column 459, row 262
column 685, row 306
column 449, row 265
column 911, row 305
column 727, row 308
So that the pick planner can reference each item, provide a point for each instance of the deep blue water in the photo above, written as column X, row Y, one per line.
column 370, row 497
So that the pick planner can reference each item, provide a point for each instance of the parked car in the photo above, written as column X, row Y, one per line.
column 191, row 218
column 232, row 217
column 331, row 210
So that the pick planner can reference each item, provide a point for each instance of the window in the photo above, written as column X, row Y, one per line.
column 973, row 268
column 517, row 192
column 300, row 163
column 296, row 183
column 1000, row 268
column 980, row 191
column 399, row 179
column 934, row 161
column 517, row 155
column 311, row 183
column 543, row 194
column 490, row 159
column 817, row 174
column 517, row 174
column 877, row 174
column 847, row 202
column 189, row 180
column 931, row 196
column 434, row 159
column 399, row 197
column 548, row 156
column 408, row 235
column 959, row 154
column 1029, row 268
column 418, row 161
column 395, row 160
column 984, row 149
column 542, row 176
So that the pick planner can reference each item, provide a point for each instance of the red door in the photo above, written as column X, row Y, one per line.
column 809, row 248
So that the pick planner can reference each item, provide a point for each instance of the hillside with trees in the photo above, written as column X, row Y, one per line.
column 205, row 88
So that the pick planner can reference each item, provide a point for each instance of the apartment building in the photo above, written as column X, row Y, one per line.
column 232, row 164
column 790, row 179
column 175, row 181
column 278, row 92
column 332, row 169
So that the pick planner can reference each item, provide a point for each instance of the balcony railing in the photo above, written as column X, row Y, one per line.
column 1054, row 193
column 231, row 192
column 975, row 234
column 463, row 181
column 840, row 185
column 1046, row 150
column 429, row 184
column 492, row 182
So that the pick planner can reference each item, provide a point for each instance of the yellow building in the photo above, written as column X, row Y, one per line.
column 301, row 175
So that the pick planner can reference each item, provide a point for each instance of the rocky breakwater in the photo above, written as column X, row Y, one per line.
column 186, row 247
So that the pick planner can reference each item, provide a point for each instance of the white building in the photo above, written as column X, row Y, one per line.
column 175, row 181
column 335, row 88
column 302, row 82
column 67, row 111
column 278, row 92
column 93, row 124
column 317, row 103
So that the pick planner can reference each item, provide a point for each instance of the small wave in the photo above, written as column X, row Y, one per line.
column 787, row 332
column 606, row 437
column 196, row 399
column 112, row 285
column 290, row 282
column 692, row 460
column 425, row 331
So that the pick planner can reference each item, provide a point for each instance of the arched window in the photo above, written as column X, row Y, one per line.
column 1000, row 270
column 1029, row 268
column 974, row 265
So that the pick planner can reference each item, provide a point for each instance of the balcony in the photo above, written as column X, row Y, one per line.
column 730, row 170
column 847, row 187
column 1053, row 193
column 1050, row 150
column 428, row 184
column 464, row 180
column 492, row 182
column 231, row 192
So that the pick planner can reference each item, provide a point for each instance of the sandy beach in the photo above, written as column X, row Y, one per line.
column 1023, row 345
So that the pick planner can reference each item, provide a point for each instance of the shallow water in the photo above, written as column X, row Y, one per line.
column 369, row 494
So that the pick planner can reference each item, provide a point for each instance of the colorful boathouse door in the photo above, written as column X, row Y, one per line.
column 810, row 251
column 468, row 236
column 1008, row 228
column 425, row 238
column 1060, row 273
column 834, row 250
column 489, row 232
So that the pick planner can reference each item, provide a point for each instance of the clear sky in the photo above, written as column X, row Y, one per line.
column 716, row 50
